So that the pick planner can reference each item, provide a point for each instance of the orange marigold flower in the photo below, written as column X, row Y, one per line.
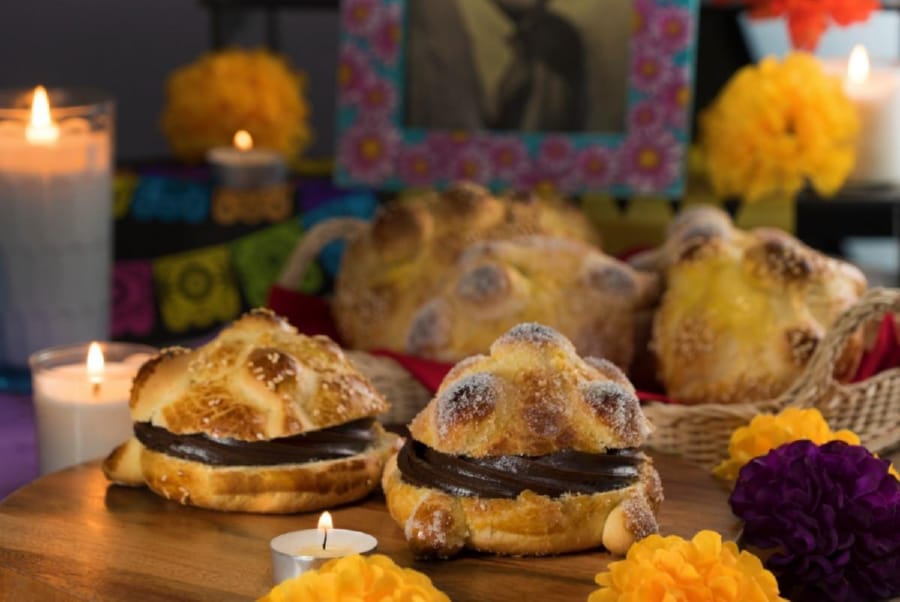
column 357, row 579
column 222, row 92
column 767, row 431
column 808, row 19
column 676, row 570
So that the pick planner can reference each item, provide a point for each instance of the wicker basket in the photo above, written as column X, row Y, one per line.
column 871, row 408
column 699, row 433
column 406, row 394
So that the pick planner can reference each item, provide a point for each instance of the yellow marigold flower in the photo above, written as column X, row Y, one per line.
column 766, row 432
column 672, row 569
column 230, row 90
column 776, row 126
column 357, row 579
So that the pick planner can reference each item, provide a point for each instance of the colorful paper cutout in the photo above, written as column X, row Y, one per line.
column 271, row 204
column 196, row 289
column 124, row 185
column 159, row 198
column 259, row 258
column 133, row 309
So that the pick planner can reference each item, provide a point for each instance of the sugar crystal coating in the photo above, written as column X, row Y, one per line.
column 471, row 398
column 619, row 408
column 535, row 334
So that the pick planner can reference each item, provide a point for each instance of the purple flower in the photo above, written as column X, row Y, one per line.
column 353, row 73
column 650, row 161
column 651, row 70
column 675, row 97
column 829, row 514
column 470, row 165
column 386, row 36
column 360, row 16
column 133, row 301
column 367, row 151
column 378, row 98
column 508, row 157
column 556, row 154
column 646, row 115
column 670, row 27
column 446, row 145
column 643, row 9
column 417, row 166
column 545, row 182
column 596, row 167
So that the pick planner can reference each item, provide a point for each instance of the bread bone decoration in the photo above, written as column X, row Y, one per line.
column 743, row 311
column 261, row 419
column 530, row 450
column 395, row 266
column 587, row 296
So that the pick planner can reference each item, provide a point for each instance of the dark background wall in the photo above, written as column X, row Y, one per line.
column 128, row 48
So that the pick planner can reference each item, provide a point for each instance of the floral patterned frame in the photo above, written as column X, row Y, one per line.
column 375, row 149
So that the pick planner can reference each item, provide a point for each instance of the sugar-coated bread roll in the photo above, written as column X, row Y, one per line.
column 530, row 450
column 261, row 419
column 404, row 259
column 589, row 297
column 743, row 311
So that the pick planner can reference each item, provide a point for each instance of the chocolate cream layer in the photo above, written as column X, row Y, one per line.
column 327, row 444
column 507, row 476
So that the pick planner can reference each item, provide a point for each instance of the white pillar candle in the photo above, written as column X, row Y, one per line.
column 296, row 552
column 875, row 91
column 55, row 221
column 81, row 398
column 242, row 166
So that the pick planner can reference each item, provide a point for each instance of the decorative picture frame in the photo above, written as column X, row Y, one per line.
column 375, row 148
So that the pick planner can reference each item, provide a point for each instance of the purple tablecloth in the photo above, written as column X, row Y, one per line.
column 18, row 447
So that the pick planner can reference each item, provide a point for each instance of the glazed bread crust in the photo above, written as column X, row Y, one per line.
column 437, row 524
column 257, row 381
column 744, row 310
column 532, row 396
column 394, row 268
column 589, row 297
column 280, row 489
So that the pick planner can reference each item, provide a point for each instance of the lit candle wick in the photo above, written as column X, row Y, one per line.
column 325, row 523
column 95, row 365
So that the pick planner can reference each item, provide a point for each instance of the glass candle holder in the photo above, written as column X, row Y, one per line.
column 81, row 403
column 56, row 154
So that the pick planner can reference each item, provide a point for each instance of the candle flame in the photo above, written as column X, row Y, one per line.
column 95, row 363
column 858, row 66
column 325, row 524
column 325, row 521
column 243, row 141
column 41, row 129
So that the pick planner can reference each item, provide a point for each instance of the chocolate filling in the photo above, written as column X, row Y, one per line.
column 507, row 476
column 327, row 444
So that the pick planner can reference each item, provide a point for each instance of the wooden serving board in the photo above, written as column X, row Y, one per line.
column 72, row 536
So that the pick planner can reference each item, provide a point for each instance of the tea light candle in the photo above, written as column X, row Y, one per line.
column 243, row 167
column 55, row 219
column 81, row 400
column 296, row 552
column 876, row 94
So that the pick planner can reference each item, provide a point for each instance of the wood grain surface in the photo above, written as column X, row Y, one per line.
column 71, row 536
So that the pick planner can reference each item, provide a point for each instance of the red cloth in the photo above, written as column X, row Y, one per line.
column 885, row 353
column 312, row 315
